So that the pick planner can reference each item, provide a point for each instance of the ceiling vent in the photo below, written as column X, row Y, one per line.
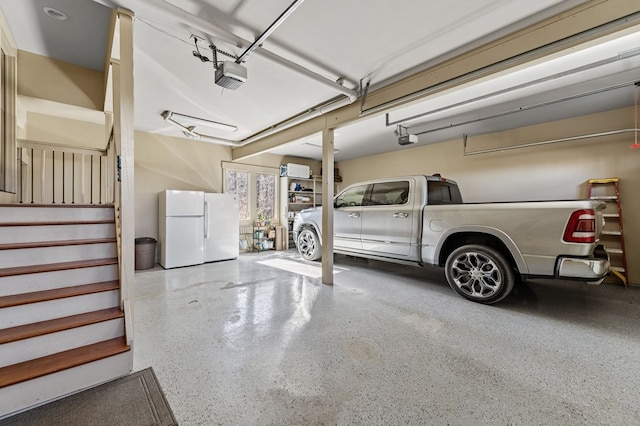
column 230, row 75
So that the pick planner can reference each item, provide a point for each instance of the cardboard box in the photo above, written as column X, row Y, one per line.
column 295, row 170
column 281, row 238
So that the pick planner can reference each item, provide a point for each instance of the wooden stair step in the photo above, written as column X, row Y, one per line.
column 53, row 267
column 56, row 223
column 21, row 372
column 13, row 246
column 58, row 293
column 59, row 324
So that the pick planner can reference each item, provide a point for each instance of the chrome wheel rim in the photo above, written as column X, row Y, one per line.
column 476, row 275
column 307, row 244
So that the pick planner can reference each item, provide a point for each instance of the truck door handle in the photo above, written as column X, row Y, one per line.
column 354, row 214
column 401, row 215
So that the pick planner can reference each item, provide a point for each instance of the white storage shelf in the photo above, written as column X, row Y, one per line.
column 293, row 201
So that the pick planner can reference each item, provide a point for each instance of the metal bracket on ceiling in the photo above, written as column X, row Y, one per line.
column 262, row 37
column 401, row 130
column 196, row 52
column 214, row 52
column 363, row 91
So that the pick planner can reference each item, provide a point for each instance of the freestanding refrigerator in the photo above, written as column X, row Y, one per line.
column 221, row 227
column 181, row 228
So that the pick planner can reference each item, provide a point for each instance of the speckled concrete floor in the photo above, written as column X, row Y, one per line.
column 246, row 343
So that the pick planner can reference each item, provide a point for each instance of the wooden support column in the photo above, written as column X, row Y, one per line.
column 124, row 141
column 327, row 206
column 109, row 178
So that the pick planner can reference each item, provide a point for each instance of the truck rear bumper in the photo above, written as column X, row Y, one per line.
column 592, row 269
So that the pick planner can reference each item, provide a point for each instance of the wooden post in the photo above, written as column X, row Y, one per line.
column 327, row 206
column 124, row 142
column 109, row 178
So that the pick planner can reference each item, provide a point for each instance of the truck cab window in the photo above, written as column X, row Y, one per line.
column 389, row 193
column 443, row 193
column 351, row 197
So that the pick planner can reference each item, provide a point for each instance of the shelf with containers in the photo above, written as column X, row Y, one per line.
column 298, row 194
column 263, row 237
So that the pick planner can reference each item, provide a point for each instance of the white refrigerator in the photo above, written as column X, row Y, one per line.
column 181, row 228
column 197, row 227
column 221, row 227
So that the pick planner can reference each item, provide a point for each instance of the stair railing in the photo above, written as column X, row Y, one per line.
column 58, row 174
column 114, row 188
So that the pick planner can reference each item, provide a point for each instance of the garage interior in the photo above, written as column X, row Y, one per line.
column 513, row 100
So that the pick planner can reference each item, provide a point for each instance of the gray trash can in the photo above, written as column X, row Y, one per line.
column 145, row 252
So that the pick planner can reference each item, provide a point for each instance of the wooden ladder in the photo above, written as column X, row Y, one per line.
column 613, row 236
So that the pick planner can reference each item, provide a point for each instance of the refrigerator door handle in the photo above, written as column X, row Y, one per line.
column 206, row 220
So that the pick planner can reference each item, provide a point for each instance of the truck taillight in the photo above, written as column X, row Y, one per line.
column 581, row 227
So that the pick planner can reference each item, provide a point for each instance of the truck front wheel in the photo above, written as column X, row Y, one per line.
column 479, row 273
column 308, row 245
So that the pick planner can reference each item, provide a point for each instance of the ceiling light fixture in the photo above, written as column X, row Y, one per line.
column 191, row 133
column 55, row 13
column 185, row 120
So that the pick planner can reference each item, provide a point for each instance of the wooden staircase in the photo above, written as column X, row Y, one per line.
column 61, row 326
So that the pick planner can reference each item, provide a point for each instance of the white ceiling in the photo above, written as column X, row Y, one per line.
column 598, row 76
column 81, row 39
column 372, row 41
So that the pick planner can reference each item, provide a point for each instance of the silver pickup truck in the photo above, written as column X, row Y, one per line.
column 484, row 248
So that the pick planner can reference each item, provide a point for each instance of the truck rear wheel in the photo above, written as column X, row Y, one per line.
column 479, row 273
column 309, row 245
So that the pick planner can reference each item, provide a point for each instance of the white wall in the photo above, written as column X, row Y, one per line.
column 172, row 163
column 175, row 163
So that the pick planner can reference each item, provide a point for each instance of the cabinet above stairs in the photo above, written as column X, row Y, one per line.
column 62, row 328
